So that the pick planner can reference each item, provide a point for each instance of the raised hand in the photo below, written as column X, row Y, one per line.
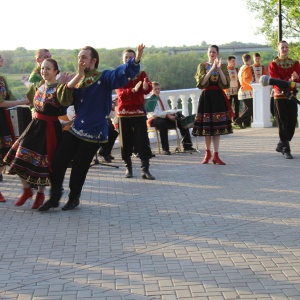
column 215, row 64
column 139, row 52
column 81, row 68
column 219, row 62
column 145, row 85
column 66, row 77
column 25, row 79
column 294, row 76
column 137, row 86
column 77, row 77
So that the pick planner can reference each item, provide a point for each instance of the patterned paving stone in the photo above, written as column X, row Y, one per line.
column 196, row 232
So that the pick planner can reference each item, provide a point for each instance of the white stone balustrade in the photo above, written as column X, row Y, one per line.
column 184, row 95
column 261, row 105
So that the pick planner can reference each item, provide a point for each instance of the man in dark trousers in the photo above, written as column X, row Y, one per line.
column 132, row 120
column 284, row 68
column 105, row 150
column 92, row 103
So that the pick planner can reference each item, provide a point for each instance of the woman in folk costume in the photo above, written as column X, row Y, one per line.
column 7, row 135
column 31, row 155
column 213, row 118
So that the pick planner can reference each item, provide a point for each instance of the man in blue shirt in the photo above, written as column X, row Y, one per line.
column 92, row 103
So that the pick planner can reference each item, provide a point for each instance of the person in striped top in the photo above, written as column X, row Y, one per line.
column 257, row 69
column 232, row 91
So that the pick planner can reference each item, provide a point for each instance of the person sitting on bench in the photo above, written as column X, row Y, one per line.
column 163, row 122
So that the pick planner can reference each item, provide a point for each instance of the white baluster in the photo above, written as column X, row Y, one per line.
column 195, row 100
column 185, row 104
column 261, row 106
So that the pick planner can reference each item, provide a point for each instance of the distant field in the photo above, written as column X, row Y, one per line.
column 15, row 84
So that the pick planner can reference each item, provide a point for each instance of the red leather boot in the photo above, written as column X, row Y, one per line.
column 27, row 193
column 2, row 198
column 207, row 157
column 217, row 160
column 39, row 200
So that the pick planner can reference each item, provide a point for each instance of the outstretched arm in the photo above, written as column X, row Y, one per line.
column 24, row 79
column 12, row 103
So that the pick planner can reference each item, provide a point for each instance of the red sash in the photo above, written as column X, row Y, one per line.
column 51, row 139
column 214, row 87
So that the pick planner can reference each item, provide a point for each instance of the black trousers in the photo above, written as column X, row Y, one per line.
column 286, row 112
column 247, row 113
column 163, row 125
column 272, row 106
column 134, row 135
column 234, row 101
column 106, row 148
column 78, row 150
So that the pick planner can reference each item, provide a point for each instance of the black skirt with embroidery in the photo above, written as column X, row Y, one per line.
column 7, row 136
column 213, row 117
column 28, row 156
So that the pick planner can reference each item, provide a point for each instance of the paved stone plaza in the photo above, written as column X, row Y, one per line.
column 196, row 232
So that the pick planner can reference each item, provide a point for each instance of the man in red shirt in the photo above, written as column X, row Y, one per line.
column 132, row 120
column 287, row 69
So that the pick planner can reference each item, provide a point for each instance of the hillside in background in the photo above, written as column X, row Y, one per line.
column 161, row 64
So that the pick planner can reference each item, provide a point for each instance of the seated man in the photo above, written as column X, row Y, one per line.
column 163, row 122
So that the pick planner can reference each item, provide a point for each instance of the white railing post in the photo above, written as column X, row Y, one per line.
column 195, row 99
column 174, row 101
column 185, row 104
column 261, row 106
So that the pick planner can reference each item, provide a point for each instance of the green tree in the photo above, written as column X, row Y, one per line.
column 267, row 11
column 172, row 71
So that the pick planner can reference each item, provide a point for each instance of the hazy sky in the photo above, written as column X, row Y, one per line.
column 64, row 24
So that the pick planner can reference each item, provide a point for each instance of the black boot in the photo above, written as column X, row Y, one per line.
column 145, row 170
column 53, row 202
column 72, row 202
column 128, row 173
column 286, row 150
column 128, row 165
column 279, row 147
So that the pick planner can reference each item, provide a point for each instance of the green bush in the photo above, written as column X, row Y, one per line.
column 16, row 86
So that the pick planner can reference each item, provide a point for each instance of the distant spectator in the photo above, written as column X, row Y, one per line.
column 257, row 69
column 232, row 91
column 245, row 91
